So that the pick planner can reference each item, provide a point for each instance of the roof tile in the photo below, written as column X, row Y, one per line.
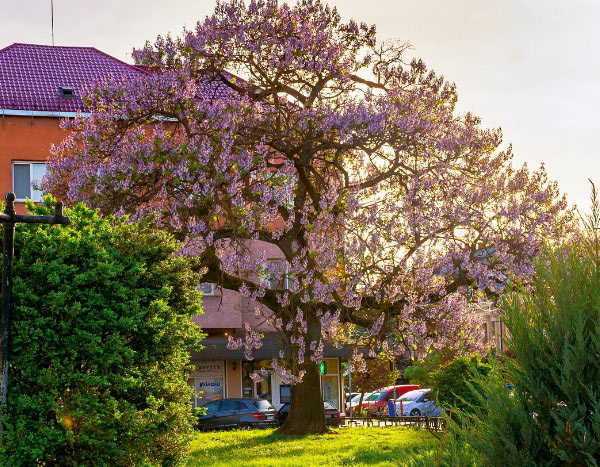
column 30, row 75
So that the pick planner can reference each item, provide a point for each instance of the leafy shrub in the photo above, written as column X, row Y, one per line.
column 379, row 374
column 101, row 333
column 456, row 384
column 553, row 415
column 421, row 371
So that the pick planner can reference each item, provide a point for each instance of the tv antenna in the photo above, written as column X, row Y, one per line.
column 52, row 18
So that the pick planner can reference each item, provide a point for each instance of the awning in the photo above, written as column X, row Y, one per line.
column 215, row 348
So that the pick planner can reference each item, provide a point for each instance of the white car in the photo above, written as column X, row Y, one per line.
column 416, row 403
column 368, row 396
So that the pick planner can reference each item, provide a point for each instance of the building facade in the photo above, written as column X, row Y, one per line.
column 493, row 330
column 225, row 313
column 39, row 86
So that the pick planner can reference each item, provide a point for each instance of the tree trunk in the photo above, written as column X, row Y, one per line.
column 307, row 414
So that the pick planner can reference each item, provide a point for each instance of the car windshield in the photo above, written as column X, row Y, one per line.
column 365, row 397
column 411, row 395
column 373, row 396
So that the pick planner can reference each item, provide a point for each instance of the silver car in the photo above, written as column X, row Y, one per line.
column 416, row 403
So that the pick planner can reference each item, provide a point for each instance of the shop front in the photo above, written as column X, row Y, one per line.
column 208, row 381
column 277, row 391
column 220, row 373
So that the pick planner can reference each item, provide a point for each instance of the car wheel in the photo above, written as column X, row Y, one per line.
column 415, row 413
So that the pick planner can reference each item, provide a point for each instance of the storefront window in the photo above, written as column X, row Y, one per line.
column 247, row 383
column 331, row 383
column 330, row 390
column 208, row 382
column 285, row 393
column 261, row 389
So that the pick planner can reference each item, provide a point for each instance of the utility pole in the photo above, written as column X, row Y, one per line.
column 350, row 386
column 9, row 218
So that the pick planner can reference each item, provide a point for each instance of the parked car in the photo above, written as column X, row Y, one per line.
column 355, row 400
column 377, row 402
column 356, row 397
column 333, row 416
column 237, row 412
column 350, row 398
column 417, row 403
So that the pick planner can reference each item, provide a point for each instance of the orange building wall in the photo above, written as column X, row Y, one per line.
column 25, row 139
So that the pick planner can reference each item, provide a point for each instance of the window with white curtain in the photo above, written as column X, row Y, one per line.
column 27, row 180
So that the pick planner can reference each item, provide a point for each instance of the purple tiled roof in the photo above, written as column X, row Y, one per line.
column 31, row 75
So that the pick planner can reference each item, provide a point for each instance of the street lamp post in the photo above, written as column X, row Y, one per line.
column 9, row 218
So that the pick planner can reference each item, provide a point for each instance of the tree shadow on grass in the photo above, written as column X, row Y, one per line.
column 226, row 451
column 261, row 449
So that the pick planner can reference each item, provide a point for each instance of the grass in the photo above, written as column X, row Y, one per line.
column 355, row 446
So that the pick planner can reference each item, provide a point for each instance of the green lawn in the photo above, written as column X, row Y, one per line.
column 349, row 446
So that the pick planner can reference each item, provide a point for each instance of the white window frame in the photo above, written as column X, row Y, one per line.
column 211, row 293
column 31, row 164
column 286, row 278
column 290, row 199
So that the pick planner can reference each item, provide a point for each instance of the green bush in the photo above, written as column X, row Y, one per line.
column 101, row 333
column 456, row 385
column 421, row 371
column 553, row 415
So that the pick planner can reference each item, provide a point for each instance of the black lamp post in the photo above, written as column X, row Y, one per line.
column 9, row 218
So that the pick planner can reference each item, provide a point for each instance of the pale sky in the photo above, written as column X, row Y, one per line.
column 531, row 67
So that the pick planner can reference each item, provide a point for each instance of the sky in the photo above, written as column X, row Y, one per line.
column 531, row 67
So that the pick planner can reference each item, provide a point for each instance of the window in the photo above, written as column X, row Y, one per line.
column 331, row 390
column 207, row 288
column 27, row 179
column 485, row 333
column 66, row 91
column 289, row 185
column 493, row 330
column 275, row 274
column 228, row 405
column 285, row 393
column 212, row 407
column 263, row 404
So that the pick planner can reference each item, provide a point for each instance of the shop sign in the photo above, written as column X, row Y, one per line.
column 209, row 369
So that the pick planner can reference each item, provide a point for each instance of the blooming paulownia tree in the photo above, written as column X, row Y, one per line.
column 283, row 124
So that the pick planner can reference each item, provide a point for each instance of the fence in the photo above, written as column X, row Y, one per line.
column 428, row 423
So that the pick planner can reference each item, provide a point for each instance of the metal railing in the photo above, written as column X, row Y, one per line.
column 421, row 421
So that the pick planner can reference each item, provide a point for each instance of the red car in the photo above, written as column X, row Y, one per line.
column 377, row 402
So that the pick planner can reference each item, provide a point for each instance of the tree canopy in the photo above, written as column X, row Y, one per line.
column 285, row 124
